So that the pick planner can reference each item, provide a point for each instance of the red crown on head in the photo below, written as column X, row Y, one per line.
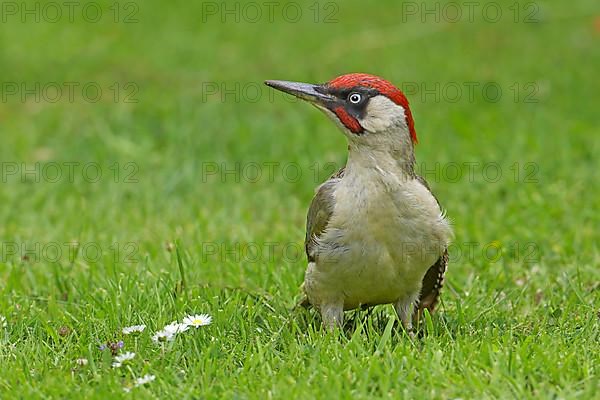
column 384, row 87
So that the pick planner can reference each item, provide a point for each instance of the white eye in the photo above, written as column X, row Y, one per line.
column 355, row 98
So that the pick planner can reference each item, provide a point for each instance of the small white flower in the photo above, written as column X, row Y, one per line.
column 125, row 356
column 141, row 381
column 121, row 358
column 197, row 320
column 175, row 327
column 163, row 336
column 82, row 362
column 133, row 329
column 169, row 332
column 144, row 379
column 2, row 321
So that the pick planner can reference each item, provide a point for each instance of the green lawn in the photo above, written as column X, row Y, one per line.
column 183, row 188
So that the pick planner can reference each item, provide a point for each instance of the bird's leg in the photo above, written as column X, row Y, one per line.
column 332, row 315
column 404, row 309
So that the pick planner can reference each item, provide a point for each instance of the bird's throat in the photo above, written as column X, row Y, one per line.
column 398, row 160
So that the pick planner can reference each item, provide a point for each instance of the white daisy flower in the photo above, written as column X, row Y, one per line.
column 141, row 381
column 121, row 358
column 133, row 329
column 144, row 379
column 125, row 356
column 163, row 336
column 197, row 320
column 168, row 332
column 175, row 327
column 81, row 362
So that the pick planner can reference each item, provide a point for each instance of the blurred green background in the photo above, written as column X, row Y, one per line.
column 182, row 103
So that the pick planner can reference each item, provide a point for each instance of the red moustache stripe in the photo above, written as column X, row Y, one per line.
column 348, row 121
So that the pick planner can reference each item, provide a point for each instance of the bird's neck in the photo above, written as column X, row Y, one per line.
column 398, row 158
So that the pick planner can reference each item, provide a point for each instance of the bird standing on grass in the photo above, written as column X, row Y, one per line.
column 375, row 233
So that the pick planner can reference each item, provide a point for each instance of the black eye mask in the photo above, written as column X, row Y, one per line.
column 357, row 110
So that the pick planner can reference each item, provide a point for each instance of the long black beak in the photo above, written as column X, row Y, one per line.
column 304, row 91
